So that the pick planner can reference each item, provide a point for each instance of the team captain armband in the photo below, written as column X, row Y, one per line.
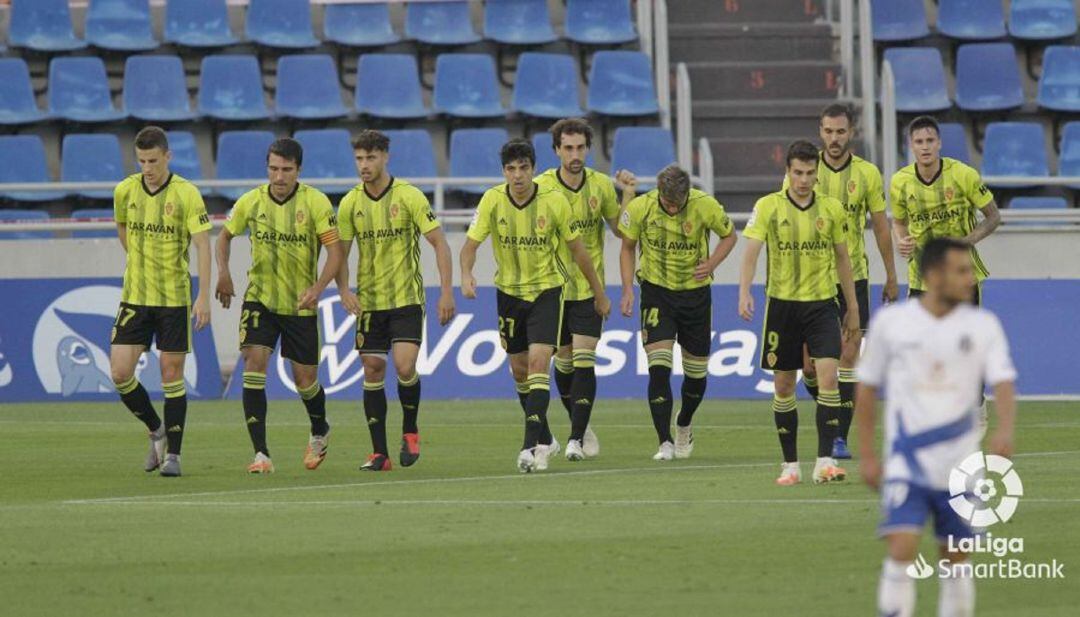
column 329, row 237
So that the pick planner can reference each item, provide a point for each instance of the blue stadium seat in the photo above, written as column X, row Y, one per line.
column 1042, row 20
column 241, row 155
column 230, row 88
column 545, row 155
column 17, row 103
column 920, row 79
column 79, row 90
column 14, row 215
column 546, row 86
column 155, row 89
column 599, row 22
column 1014, row 149
column 307, row 88
column 280, row 23
column 198, row 23
column 644, row 150
column 359, row 25
column 388, row 86
column 43, row 25
column 475, row 153
column 1038, row 203
column 898, row 20
column 440, row 23
column 1059, row 84
column 1069, row 157
column 971, row 20
column 518, row 22
column 91, row 158
column 120, row 25
column 328, row 153
column 185, row 156
column 412, row 156
column 953, row 143
column 988, row 77
column 22, row 159
column 94, row 213
column 621, row 84
column 466, row 86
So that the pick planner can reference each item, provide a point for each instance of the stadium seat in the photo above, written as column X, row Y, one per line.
column 971, row 20
column 988, row 77
column 17, row 103
column 307, row 88
column 388, row 86
column 412, row 156
column 1042, row 20
column 1069, row 157
column 120, row 25
column 22, row 159
column 898, row 20
column 155, row 89
column 79, row 90
column 1059, row 84
column 475, row 153
column 327, row 154
column 280, row 23
column 1035, row 203
column 241, row 155
column 18, row 215
column 43, row 25
column 621, row 84
column 1014, row 149
column 546, row 86
column 440, row 23
column 359, row 25
column 230, row 88
column 185, row 156
column 91, row 158
column 545, row 155
column 643, row 150
column 919, row 75
column 198, row 23
column 953, row 143
column 93, row 213
column 466, row 86
column 518, row 22
column 599, row 22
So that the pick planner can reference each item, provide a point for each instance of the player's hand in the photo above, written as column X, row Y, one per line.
column 626, row 304
column 891, row 291
column 625, row 180
column 1001, row 444
column 202, row 312
column 870, row 468
column 309, row 299
column 350, row 302
column 851, row 323
column 746, row 307
column 602, row 305
column 468, row 286
column 704, row 269
column 224, row 292
column 446, row 308
column 906, row 245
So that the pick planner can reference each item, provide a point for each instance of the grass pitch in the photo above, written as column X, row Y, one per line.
column 83, row 531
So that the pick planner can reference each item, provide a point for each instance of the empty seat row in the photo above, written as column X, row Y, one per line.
column 125, row 25
column 974, row 20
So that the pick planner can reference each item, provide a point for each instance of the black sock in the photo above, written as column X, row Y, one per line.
column 811, row 385
column 660, row 403
column 522, row 388
column 175, row 415
column 828, row 408
column 137, row 400
column 847, row 401
column 375, row 411
column 693, row 392
column 536, row 409
column 786, row 418
column 564, row 383
column 255, row 410
column 408, row 393
column 583, row 393
column 314, row 398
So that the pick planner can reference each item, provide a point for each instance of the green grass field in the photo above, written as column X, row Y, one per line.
column 83, row 531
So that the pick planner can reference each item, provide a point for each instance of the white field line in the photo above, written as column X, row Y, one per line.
column 601, row 426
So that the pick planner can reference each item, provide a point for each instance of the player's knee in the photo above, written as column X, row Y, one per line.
column 374, row 370
column 406, row 373
column 121, row 374
column 305, row 380
column 254, row 362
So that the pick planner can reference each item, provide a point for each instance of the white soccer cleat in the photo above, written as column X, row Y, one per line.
column 540, row 455
column 684, row 441
column 526, row 462
column 826, row 470
column 156, row 456
column 665, row 453
column 574, row 451
column 553, row 448
column 790, row 475
column 591, row 444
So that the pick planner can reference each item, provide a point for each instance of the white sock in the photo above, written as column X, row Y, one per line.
column 896, row 590
column 956, row 598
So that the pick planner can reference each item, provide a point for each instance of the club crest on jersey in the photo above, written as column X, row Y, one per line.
column 394, row 209
column 359, row 340
column 243, row 335
column 949, row 193
column 169, row 210
column 300, row 217
column 687, row 227
column 770, row 358
column 820, row 224
column 851, row 186
column 541, row 223
column 502, row 341
column 593, row 202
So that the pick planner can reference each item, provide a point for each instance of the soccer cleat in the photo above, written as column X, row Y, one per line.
column 156, row 456
column 684, row 441
column 410, row 449
column 171, row 467
column 840, row 449
column 261, row 464
column 541, row 453
column 826, row 470
column 316, row 450
column 591, row 444
column 574, row 451
column 665, row 453
column 553, row 448
column 790, row 475
column 377, row 462
column 526, row 462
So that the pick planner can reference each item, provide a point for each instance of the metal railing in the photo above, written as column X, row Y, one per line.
column 684, row 123
column 662, row 62
column 867, row 65
column 645, row 26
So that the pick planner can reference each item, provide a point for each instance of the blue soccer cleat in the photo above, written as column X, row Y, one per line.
column 840, row 449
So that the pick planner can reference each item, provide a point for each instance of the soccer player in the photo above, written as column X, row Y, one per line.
column 671, row 226
column 527, row 224
column 386, row 216
column 806, row 233
column 158, row 216
column 593, row 201
column 933, row 355
column 288, row 221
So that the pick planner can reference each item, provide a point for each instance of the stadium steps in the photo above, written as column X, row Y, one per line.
column 765, row 81
column 736, row 119
column 754, row 42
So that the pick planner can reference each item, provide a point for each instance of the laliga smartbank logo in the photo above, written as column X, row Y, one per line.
column 985, row 489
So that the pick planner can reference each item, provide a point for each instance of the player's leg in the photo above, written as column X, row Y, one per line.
column 782, row 352
column 694, row 319
column 408, row 380
column 585, row 327
column 306, row 378
column 300, row 343
column 131, row 336
column 956, row 595
column 172, row 330
column 896, row 588
column 542, row 325
column 373, row 343
column 809, row 373
column 786, row 419
column 564, row 363
column 256, row 359
column 659, row 356
column 820, row 323
column 849, row 357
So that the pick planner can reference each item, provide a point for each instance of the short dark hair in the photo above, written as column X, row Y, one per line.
column 371, row 140
column 839, row 109
column 287, row 148
column 801, row 150
column 151, row 137
column 570, row 126
column 517, row 150
column 935, row 250
column 922, row 122
column 673, row 183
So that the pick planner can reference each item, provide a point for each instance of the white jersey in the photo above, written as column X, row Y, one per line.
column 933, row 370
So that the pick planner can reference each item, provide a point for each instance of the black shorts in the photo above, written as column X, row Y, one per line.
column 377, row 331
column 789, row 325
column 976, row 297
column 862, row 296
column 168, row 326
column 299, row 334
column 684, row 315
column 579, row 317
column 523, row 323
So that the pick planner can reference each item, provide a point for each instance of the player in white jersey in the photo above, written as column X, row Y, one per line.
column 933, row 355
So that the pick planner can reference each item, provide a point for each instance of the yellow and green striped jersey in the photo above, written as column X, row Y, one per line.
column 159, row 229
column 944, row 206
column 592, row 203
column 526, row 238
column 800, row 244
column 285, row 241
column 387, row 229
column 670, row 246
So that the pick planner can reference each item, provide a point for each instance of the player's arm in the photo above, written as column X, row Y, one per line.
column 584, row 262
column 201, row 241
column 847, row 286
column 222, row 250
column 121, row 234
column 468, row 260
column 880, row 224
column 349, row 301
column 1001, row 374
column 991, row 220
column 626, row 182
column 720, row 223
column 444, row 260
column 746, row 277
column 865, row 406
column 335, row 257
column 905, row 244
column 627, row 265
